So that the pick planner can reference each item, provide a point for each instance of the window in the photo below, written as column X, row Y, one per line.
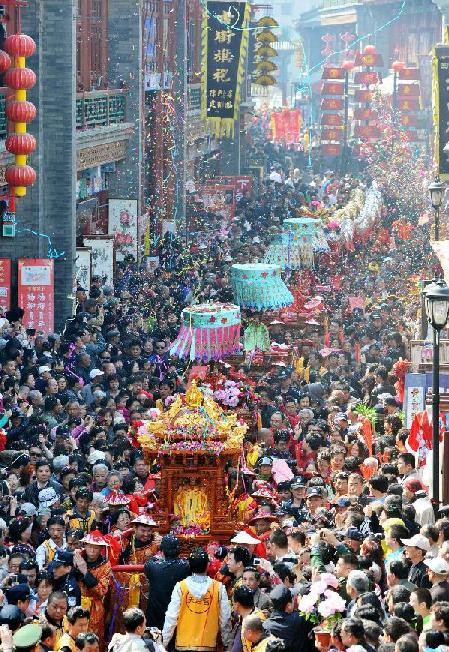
column 92, row 45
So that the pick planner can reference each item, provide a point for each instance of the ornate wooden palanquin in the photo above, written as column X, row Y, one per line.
column 195, row 443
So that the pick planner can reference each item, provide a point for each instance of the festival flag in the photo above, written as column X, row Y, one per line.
column 366, row 78
column 333, row 88
column 363, row 95
column 409, row 90
column 225, row 44
column 365, row 114
column 410, row 74
column 367, row 131
column 332, row 72
column 408, row 104
column 371, row 60
column 331, row 149
column 332, row 134
column 332, row 104
column 332, row 120
column 408, row 120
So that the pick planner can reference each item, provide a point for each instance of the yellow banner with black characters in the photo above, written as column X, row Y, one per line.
column 225, row 45
column 440, row 94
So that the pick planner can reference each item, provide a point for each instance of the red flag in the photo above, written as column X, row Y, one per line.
column 408, row 104
column 365, row 114
column 363, row 95
column 409, row 90
column 331, row 149
column 332, row 134
column 368, row 131
column 332, row 72
column 366, row 78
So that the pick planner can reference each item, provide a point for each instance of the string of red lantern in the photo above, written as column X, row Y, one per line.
column 19, row 111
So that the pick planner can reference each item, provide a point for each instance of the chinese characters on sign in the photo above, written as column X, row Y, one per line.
column 5, row 285
column 227, row 39
column 36, row 292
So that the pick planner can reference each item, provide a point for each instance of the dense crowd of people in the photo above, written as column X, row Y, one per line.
column 351, row 543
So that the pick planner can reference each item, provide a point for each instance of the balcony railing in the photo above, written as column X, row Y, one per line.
column 100, row 108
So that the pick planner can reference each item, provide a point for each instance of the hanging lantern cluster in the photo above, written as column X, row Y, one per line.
column 265, row 52
column 19, row 111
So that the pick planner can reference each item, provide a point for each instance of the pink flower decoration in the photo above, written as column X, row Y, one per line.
column 330, row 580
column 264, row 274
column 212, row 319
column 224, row 320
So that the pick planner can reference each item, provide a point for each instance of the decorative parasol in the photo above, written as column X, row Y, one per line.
column 260, row 287
column 209, row 331
column 295, row 246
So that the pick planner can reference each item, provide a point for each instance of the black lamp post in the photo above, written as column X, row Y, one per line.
column 436, row 191
column 436, row 297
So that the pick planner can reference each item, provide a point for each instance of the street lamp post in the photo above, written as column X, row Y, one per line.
column 436, row 297
column 436, row 191
column 346, row 66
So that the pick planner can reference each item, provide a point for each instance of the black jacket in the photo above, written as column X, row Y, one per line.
column 292, row 628
column 31, row 494
column 417, row 575
column 162, row 576
column 68, row 585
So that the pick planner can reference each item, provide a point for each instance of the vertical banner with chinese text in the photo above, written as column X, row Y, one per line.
column 36, row 293
column 5, row 285
column 440, row 92
column 225, row 44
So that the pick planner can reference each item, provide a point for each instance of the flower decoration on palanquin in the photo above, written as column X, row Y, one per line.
column 193, row 423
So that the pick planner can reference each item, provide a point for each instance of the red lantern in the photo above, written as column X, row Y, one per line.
column 20, row 45
column 20, row 175
column 369, row 49
column 348, row 65
column 20, row 144
column 398, row 65
column 20, row 78
column 5, row 61
column 20, row 111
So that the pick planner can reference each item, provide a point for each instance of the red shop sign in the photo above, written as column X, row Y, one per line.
column 36, row 293
column 5, row 285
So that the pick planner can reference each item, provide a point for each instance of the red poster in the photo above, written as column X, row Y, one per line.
column 292, row 126
column 5, row 285
column 36, row 293
column 218, row 199
column 278, row 126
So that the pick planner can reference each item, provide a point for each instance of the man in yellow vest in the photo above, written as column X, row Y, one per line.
column 199, row 610
column 77, row 623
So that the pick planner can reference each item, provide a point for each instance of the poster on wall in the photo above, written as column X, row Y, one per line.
column 219, row 199
column 36, row 293
column 102, row 256
column 123, row 226
column 5, row 285
column 83, row 267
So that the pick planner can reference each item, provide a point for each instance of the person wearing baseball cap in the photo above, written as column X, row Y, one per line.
column 61, row 569
column 162, row 576
column 415, row 550
column 438, row 571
